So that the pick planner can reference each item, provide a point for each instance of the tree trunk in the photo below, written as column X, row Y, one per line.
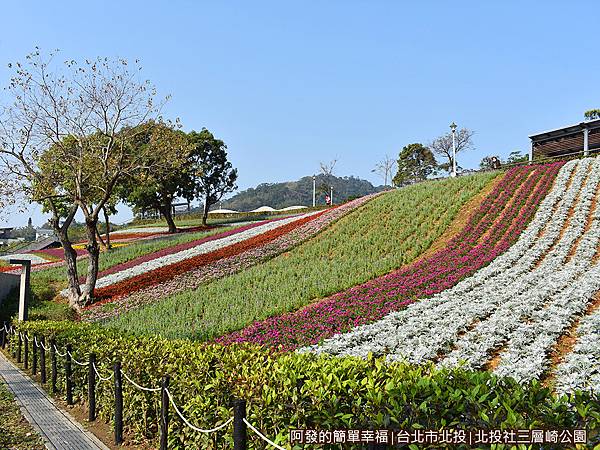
column 107, row 222
column 206, row 208
column 165, row 210
column 72, row 277
column 100, row 240
column 93, row 250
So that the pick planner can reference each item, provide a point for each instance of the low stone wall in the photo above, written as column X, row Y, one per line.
column 7, row 283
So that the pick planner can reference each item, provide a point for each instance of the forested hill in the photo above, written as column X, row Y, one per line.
column 291, row 193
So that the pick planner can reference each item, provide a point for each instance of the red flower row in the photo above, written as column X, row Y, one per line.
column 176, row 248
column 162, row 274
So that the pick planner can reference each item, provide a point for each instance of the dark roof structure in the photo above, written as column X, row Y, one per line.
column 582, row 137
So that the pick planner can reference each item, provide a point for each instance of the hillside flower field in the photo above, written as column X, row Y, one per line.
column 492, row 228
column 398, row 309
column 394, row 229
column 124, row 255
column 228, row 260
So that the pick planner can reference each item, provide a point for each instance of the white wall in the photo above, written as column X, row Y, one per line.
column 7, row 283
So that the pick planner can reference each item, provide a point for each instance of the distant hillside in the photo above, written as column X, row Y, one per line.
column 291, row 193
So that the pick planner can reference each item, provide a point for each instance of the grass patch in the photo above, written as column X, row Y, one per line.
column 15, row 431
column 196, row 221
column 43, row 306
column 388, row 232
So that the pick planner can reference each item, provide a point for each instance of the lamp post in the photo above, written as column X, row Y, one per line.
column 331, row 197
column 453, row 128
column 314, row 191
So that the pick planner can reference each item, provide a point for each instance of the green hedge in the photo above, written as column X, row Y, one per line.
column 289, row 390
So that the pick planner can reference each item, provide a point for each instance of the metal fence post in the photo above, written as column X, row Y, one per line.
column 3, row 335
column 42, row 360
column 164, row 413
column 53, row 363
column 26, row 352
column 91, row 388
column 118, row 403
column 34, row 357
column 240, row 436
column 19, row 345
column 68, row 376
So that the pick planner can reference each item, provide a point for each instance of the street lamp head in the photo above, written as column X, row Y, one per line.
column 453, row 126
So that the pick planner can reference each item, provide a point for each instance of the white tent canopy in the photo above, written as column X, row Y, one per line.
column 264, row 209
column 223, row 211
column 292, row 208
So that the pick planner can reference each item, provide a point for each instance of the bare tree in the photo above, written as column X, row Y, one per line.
column 385, row 168
column 327, row 175
column 66, row 141
column 327, row 167
column 442, row 145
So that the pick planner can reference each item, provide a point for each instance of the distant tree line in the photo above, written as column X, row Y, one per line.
column 291, row 193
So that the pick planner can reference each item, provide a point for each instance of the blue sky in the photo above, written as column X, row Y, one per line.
column 289, row 84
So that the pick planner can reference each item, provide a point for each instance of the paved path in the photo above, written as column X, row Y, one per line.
column 58, row 429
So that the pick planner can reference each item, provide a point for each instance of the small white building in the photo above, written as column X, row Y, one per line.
column 43, row 233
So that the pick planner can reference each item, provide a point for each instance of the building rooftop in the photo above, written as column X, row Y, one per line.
column 574, row 128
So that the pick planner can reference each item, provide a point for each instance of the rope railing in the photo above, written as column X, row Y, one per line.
column 44, row 347
column 239, row 418
column 262, row 436
column 62, row 355
column 199, row 430
column 77, row 362
column 100, row 377
column 138, row 386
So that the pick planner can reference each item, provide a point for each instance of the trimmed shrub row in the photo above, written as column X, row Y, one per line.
column 288, row 391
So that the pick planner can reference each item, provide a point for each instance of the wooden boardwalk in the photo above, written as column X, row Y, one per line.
column 58, row 429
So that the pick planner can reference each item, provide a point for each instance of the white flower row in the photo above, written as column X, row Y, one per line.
column 530, row 293
column 410, row 333
column 581, row 368
column 510, row 300
column 200, row 249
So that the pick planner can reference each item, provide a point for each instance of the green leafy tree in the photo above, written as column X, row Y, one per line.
column 156, row 186
column 415, row 163
column 516, row 157
column 592, row 114
column 214, row 175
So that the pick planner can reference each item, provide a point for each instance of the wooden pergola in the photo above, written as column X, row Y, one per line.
column 583, row 137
